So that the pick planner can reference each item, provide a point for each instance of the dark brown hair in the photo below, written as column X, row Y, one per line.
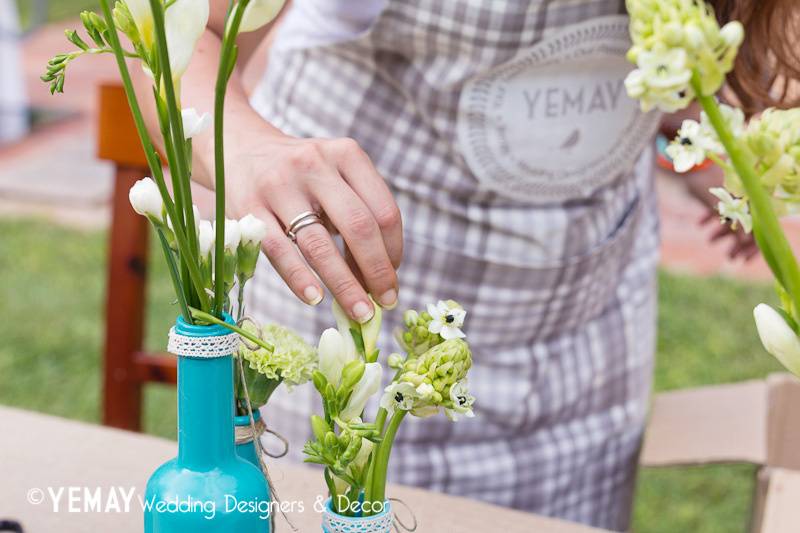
column 768, row 65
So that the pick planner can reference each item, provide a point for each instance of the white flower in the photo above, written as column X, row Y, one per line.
column 733, row 210
column 425, row 391
column 778, row 338
column 368, row 385
column 146, row 199
column 447, row 320
column 462, row 401
column 734, row 118
column 399, row 395
column 184, row 23
column 395, row 360
column 333, row 355
column 253, row 230
column 232, row 235
column 661, row 81
column 205, row 237
column 689, row 147
column 260, row 12
column 732, row 34
column 344, row 324
column 193, row 123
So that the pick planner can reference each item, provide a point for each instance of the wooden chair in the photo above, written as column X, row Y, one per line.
column 126, row 366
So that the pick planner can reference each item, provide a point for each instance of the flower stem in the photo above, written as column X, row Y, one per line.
column 147, row 144
column 767, row 229
column 376, row 488
column 211, row 319
column 173, row 274
column 227, row 57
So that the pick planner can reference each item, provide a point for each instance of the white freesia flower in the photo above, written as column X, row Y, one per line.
column 689, row 147
column 367, row 386
column 232, row 235
column 462, row 401
column 778, row 338
column 253, row 230
column 205, row 236
column 260, row 12
column 333, row 355
column 184, row 23
column 344, row 324
column 447, row 320
column 733, row 210
column 194, row 123
column 146, row 199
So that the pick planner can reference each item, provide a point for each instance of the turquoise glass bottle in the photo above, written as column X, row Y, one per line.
column 207, row 488
column 247, row 450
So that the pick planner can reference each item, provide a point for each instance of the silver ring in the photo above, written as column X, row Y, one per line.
column 306, row 218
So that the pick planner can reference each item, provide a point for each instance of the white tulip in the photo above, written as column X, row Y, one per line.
column 205, row 236
column 333, row 355
column 146, row 199
column 367, row 386
column 232, row 235
column 194, row 123
column 778, row 338
column 253, row 230
column 260, row 12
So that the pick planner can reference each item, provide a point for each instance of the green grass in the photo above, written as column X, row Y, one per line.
column 51, row 301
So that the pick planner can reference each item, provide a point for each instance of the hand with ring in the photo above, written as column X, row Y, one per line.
column 306, row 188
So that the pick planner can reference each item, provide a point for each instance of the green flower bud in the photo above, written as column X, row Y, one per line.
column 351, row 374
column 410, row 318
column 320, row 427
column 395, row 360
column 331, row 442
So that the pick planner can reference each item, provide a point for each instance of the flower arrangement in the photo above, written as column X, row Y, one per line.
column 430, row 377
column 206, row 259
column 682, row 54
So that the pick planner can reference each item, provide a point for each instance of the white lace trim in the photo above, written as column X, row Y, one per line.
column 216, row 346
column 341, row 524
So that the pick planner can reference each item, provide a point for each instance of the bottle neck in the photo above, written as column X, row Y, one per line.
column 205, row 411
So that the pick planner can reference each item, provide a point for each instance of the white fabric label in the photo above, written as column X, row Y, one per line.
column 555, row 123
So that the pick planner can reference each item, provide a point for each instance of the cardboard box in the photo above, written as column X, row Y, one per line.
column 756, row 422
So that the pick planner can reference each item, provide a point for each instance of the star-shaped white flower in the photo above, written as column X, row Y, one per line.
column 733, row 210
column 399, row 395
column 689, row 147
column 447, row 320
column 462, row 401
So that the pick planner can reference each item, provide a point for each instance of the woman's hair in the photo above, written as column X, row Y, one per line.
column 768, row 64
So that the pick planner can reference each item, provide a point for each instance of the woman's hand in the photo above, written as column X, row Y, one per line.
column 276, row 178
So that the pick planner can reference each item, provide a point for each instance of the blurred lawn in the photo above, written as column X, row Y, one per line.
column 51, row 298
column 29, row 10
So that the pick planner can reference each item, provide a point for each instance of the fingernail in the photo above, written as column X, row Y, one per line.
column 312, row 295
column 388, row 299
column 362, row 312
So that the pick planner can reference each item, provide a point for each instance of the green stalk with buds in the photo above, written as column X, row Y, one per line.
column 682, row 54
column 430, row 377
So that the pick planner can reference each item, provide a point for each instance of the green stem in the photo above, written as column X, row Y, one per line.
column 227, row 54
column 147, row 144
column 765, row 222
column 331, row 489
column 376, row 488
column 181, row 167
column 211, row 319
column 173, row 274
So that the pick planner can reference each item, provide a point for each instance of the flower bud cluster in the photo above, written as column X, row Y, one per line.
column 672, row 41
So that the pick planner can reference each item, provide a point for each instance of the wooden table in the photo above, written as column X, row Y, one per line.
column 38, row 452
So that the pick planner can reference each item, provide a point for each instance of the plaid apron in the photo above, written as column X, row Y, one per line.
column 524, row 179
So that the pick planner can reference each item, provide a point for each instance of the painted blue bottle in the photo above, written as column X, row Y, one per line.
column 207, row 488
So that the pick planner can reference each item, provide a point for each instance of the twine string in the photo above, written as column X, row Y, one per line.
column 399, row 525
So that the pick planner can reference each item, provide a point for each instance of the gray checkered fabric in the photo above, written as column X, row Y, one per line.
column 560, row 296
column 13, row 103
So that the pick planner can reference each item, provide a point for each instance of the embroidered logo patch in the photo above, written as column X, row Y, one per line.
column 555, row 123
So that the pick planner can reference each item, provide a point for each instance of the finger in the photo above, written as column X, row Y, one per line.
column 359, row 172
column 317, row 246
column 752, row 252
column 363, row 238
column 319, row 249
column 720, row 233
column 288, row 262
column 708, row 217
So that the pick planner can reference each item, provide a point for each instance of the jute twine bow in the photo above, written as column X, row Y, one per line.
column 255, row 436
column 398, row 524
